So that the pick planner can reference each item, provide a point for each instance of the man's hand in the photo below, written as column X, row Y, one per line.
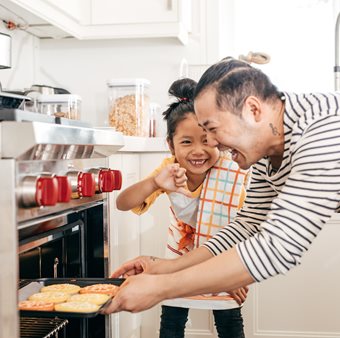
column 136, row 266
column 137, row 293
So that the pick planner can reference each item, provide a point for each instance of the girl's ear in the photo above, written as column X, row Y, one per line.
column 171, row 146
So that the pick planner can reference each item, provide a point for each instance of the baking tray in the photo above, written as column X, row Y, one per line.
column 34, row 286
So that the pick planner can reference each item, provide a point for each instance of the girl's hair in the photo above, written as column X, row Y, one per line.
column 233, row 81
column 183, row 90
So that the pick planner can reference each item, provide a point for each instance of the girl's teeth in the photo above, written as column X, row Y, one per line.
column 198, row 162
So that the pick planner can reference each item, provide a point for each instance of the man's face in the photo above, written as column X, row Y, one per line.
column 228, row 131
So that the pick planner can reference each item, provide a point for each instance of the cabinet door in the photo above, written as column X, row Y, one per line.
column 124, row 233
column 134, row 11
column 305, row 302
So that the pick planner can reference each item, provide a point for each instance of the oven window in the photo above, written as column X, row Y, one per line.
column 59, row 254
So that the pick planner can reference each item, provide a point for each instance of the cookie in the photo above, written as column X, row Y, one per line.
column 35, row 305
column 84, row 307
column 95, row 298
column 50, row 297
column 68, row 288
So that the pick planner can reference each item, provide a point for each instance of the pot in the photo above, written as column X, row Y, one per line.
column 13, row 101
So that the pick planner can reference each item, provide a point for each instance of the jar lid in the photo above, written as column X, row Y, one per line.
column 58, row 98
column 127, row 82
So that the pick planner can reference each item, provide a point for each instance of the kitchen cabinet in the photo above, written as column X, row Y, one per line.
column 110, row 19
column 305, row 302
column 132, row 235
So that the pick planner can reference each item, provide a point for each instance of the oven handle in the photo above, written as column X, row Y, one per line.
column 43, row 240
column 63, row 215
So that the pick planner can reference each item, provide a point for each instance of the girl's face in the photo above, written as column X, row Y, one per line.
column 191, row 149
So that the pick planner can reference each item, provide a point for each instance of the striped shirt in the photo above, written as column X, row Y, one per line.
column 285, row 210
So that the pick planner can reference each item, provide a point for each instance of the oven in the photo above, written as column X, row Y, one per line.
column 54, row 183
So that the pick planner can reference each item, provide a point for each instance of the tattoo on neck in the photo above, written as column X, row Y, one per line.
column 274, row 129
column 153, row 258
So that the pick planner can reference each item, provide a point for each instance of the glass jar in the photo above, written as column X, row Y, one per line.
column 60, row 105
column 154, row 119
column 129, row 106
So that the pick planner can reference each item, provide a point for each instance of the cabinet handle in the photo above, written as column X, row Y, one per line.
column 169, row 5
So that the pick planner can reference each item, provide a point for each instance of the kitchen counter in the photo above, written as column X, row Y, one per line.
column 134, row 144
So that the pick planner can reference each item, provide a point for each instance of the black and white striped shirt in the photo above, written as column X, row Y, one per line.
column 285, row 210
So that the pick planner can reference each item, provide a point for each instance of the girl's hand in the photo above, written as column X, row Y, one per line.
column 137, row 265
column 239, row 295
column 173, row 178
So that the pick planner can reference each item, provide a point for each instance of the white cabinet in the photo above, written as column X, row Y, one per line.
column 110, row 19
column 306, row 302
column 134, row 11
column 123, row 239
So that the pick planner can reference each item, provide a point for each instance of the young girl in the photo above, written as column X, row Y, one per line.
column 205, row 189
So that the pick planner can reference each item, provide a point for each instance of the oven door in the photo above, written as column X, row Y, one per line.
column 69, row 245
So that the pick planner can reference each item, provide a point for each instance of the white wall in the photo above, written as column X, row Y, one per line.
column 297, row 34
column 25, row 60
column 83, row 67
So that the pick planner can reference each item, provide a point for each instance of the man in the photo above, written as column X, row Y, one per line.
column 292, row 142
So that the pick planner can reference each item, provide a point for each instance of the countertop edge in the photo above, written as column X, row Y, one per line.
column 135, row 144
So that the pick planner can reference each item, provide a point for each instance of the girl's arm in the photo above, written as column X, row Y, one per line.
column 136, row 194
column 170, row 178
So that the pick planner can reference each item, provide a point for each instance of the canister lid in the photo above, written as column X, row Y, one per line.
column 128, row 82
column 58, row 98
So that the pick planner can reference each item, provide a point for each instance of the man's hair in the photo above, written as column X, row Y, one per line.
column 234, row 81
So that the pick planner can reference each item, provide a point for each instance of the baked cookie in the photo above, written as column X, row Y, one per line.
column 35, row 305
column 68, row 288
column 95, row 298
column 76, row 307
column 50, row 297
column 108, row 289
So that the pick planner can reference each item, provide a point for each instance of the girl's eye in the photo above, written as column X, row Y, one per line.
column 186, row 142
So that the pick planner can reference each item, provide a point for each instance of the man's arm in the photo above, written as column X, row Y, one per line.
column 220, row 273
column 155, row 265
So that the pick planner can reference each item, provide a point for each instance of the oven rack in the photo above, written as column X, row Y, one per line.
column 40, row 327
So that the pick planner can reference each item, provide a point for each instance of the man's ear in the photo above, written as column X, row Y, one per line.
column 253, row 107
column 171, row 146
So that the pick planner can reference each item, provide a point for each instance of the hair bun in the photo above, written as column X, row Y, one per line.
column 183, row 89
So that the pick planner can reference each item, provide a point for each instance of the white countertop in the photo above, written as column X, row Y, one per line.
column 137, row 144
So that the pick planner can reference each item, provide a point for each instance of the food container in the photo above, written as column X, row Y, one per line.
column 129, row 106
column 60, row 105
column 154, row 119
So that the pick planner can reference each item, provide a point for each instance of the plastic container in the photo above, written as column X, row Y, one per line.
column 60, row 105
column 129, row 106
column 154, row 119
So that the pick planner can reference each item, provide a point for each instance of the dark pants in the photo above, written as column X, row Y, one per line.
column 229, row 323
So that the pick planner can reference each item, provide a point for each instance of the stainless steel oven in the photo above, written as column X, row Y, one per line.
column 54, row 182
